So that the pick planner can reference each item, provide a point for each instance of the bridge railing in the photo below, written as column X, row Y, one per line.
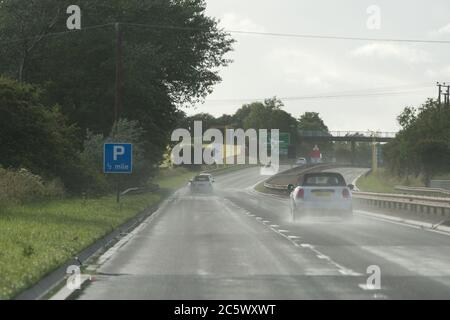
column 366, row 134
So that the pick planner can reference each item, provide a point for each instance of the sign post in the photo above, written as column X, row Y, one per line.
column 118, row 159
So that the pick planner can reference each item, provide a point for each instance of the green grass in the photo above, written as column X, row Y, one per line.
column 174, row 178
column 37, row 238
column 384, row 182
column 442, row 177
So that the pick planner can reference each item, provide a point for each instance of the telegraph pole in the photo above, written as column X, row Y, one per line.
column 118, row 99
column 119, row 75
column 446, row 95
column 440, row 93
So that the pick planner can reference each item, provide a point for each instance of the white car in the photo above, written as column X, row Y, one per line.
column 203, row 183
column 301, row 162
column 209, row 175
column 321, row 194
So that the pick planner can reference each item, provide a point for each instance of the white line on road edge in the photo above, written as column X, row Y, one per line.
column 415, row 224
column 64, row 293
column 294, row 240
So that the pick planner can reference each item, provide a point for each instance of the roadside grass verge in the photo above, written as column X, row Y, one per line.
column 385, row 182
column 173, row 178
column 37, row 238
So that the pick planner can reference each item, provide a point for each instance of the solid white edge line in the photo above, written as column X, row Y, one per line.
column 414, row 224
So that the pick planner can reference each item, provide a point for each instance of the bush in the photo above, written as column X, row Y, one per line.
column 33, row 135
column 93, row 181
column 22, row 186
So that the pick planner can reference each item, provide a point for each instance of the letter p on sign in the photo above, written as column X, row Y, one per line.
column 118, row 151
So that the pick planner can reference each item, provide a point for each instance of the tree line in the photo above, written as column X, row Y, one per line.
column 57, row 88
column 422, row 147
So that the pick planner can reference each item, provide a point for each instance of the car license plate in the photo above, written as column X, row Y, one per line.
column 322, row 193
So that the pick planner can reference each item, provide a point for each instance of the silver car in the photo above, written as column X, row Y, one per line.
column 321, row 194
column 301, row 162
column 203, row 183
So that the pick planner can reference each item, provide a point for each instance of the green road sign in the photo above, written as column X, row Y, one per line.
column 284, row 141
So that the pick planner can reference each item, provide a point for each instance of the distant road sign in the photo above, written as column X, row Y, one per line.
column 118, row 158
column 284, row 141
column 285, row 138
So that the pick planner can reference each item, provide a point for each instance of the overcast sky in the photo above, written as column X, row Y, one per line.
column 267, row 66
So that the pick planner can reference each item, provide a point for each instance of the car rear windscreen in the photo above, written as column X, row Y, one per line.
column 323, row 180
column 201, row 178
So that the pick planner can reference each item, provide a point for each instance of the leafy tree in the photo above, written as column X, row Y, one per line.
column 423, row 144
column 24, row 25
column 208, row 121
column 171, row 55
column 311, row 121
column 407, row 117
column 32, row 135
column 434, row 156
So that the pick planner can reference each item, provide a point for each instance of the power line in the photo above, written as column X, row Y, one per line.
column 256, row 33
column 293, row 35
column 54, row 34
column 343, row 94
column 330, row 37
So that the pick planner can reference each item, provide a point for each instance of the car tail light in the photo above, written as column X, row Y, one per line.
column 346, row 193
column 300, row 194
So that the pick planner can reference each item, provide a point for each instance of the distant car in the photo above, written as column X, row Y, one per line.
column 301, row 162
column 203, row 183
column 321, row 194
column 210, row 176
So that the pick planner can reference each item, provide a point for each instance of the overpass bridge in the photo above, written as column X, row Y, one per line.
column 353, row 137
column 350, row 136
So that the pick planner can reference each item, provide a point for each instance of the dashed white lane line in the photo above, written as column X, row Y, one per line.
column 341, row 269
column 294, row 240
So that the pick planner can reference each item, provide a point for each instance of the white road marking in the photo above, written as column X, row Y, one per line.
column 341, row 269
column 426, row 226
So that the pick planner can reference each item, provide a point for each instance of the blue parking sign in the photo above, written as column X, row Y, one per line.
column 118, row 158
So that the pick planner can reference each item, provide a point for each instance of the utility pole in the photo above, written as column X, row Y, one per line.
column 118, row 99
column 447, row 95
column 374, row 152
column 119, row 76
column 440, row 93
